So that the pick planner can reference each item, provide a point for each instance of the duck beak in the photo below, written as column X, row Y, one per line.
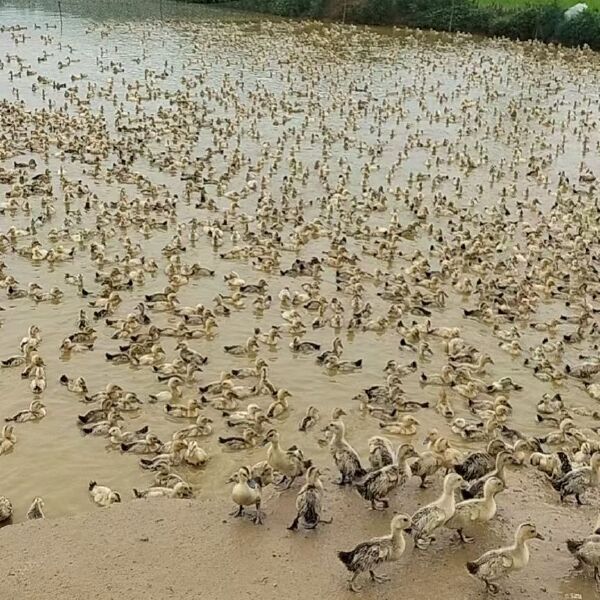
column 539, row 536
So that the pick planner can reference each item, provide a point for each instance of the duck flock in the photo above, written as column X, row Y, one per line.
column 322, row 254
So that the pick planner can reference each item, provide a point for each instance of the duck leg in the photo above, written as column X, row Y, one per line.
column 464, row 538
column 579, row 500
column 491, row 587
column 294, row 524
column 238, row 513
column 378, row 578
column 258, row 518
column 424, row 483
column 352, row 585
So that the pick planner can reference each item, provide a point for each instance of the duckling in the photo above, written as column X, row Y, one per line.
column 76, row 385
column 495, row 564
column 173, row 393
column 377, row 485
column 36, row 412
column 248, row 439
column 151, row 444
column 201, row 428
column 344, row 455
column 367, row 555
column 103, row 496
column 550, row 405
column 290, row 464
column 475, row 488
column 345, row 366
column 36, row 510
column 247, row 492
column 406, row 425
column 67, row 347
column 191, row 410
column 310, row 419
column 476, row 510
column 477, row 464
column 587, row 552
column 249, row 371
column 297, row 346
column 8, row 439
column 381, row 452
column 280, row 405
column 180, row 490
column 309, row 502
column 434, row 515
column 577, row 481
column 250, row 347
column 103, row 427
column 505, row 384
column 118, row 437
column 193, row 454
column 6, row 509
column 444, row 406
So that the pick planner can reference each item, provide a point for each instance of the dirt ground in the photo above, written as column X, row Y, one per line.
column 192, row 549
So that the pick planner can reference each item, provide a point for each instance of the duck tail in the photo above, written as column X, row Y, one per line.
column 574, row 545
column 423, row 404
column 64, row 379
column 346, row 557
column 137, row 493
column 126, row 446
column 472, row 567
column 358, row 363
column 91, row 485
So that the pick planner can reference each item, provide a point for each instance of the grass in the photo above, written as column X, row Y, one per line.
column 592, row 4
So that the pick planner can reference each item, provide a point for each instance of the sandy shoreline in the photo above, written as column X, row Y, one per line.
column 192, row 549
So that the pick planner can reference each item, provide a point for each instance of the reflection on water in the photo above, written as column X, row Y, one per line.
column 272, row 98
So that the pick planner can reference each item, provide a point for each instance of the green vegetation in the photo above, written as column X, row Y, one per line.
column 593, row 4
column 515, row 19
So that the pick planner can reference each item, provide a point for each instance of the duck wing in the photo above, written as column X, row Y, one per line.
column 365, row 556
column 491, row 565
column 427, row 519
column 476, row 465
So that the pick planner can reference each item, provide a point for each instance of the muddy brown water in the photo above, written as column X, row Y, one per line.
column 317, row 69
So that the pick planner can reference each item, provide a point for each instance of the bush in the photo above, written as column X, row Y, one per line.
column 541, row 22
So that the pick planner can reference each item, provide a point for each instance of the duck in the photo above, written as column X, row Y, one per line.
column 434, row 515
column 36, row 411
column 280, row 406
column 77, row 385
column 6, row 509
column 477, row 464
column 8, row 439
column 36, row 509
column 475, row 487
column 476, row 510
column 587, row 551
column 381, row 452
column 103, row 427
column 102, row 495
column 333, row 363
column 298, row 346
column 578, row 481
column 346, row 458
column 405, row 425
column 376, row 485
column 310, row 419
column 151, row 444
column 248, row 439
column 181, row 489
column 247, row 492
column 496, row 564
column 309, row 502
column 172, row 394
column 249, row 348
column 289, row 464
column 202, row 427
column 243, row 373
column 118, row 437
column 191, row 410
column 367, row 555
